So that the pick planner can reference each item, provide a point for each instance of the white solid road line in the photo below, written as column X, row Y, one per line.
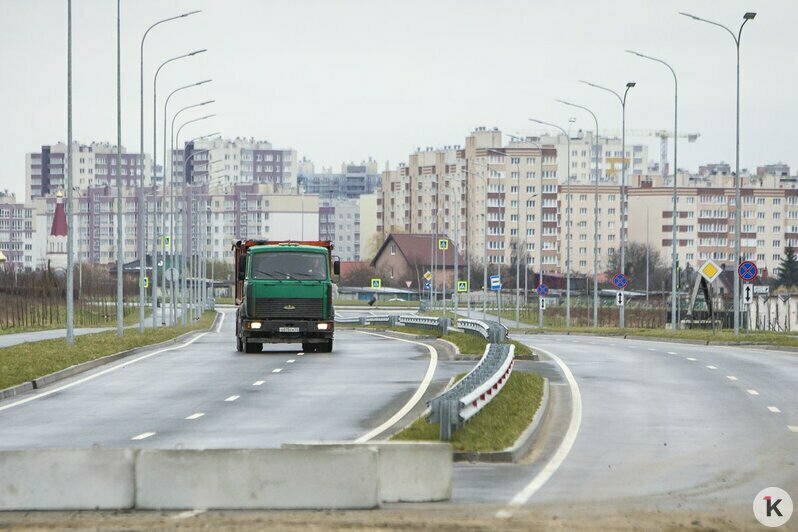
column 196, row 415
column 232, row 398
column 219, row 327
column 422, row 388
column 793, row 428
column 290, row 361
column 100, row 373
column 731, row 377
column 774, row 409
column 143, row 436
column 753, row 392
column 277, row 370
column 559, row 456
column 257, row 383
column 712, row 367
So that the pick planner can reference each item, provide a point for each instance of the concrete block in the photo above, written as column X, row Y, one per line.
column 67, row 479
column 409, row 471
column 257, row 478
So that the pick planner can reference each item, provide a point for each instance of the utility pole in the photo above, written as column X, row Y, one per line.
column 120, row 242
column 70, row 282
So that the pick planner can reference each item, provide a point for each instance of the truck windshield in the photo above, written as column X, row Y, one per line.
column 289, row 265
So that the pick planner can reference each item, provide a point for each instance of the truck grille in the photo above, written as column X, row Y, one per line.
column 297, row 308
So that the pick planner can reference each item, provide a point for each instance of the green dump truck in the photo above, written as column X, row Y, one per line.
column 284, row 294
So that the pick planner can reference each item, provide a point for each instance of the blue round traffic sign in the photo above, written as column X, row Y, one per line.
column 620, row 281
column 747, row 271
column 542, row 290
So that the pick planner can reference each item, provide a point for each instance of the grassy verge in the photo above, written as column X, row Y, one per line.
column 468, row 344
column 362, row 303
column 495, row 427
column 25, row 362
column 760, row 337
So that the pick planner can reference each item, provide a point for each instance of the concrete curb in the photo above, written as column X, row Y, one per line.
column 521, row 446
column 45, row 380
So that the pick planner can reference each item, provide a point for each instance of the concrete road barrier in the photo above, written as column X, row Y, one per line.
column 257, row 478
column 408, row 471
column 67, row 479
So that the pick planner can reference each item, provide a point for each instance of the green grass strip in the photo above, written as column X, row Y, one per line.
column 25, row 362
column 497, row 426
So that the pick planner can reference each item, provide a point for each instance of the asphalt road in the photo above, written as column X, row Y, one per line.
column 206, row 395
column 662, row 425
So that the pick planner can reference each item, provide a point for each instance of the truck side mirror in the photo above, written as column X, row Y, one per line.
column 337, row 267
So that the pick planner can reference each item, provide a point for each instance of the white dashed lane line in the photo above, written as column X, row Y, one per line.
column 196, row 415
column 651, row 349
column 774, row 409
column 300, row 354
column 691, row 359
column 793, row 428
column 752, row 392
column 712, row 367
column 731, row 377
column 290, row 361
column 672, row 353
column 143, row 435
column 257, row 383
column 232, row 398
column 277, row 370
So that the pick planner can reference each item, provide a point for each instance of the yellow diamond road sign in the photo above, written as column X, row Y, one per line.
column 709, row 271
column 428, row 275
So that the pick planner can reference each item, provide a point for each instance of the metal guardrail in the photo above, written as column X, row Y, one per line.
column 492, row 331
column 426, row 322
column 471, row 393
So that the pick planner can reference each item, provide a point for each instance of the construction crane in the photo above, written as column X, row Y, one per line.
column 663, row 136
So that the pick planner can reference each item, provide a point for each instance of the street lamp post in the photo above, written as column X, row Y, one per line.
column 120, row 235
column 674, row 253
column 622, row 100
column 595, row 212
column 163, row 191
column 142, row 209
column 70, row 289
column 746, row 17
column 567, row 224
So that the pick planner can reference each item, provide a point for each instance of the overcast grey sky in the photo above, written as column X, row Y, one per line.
column 344, row 80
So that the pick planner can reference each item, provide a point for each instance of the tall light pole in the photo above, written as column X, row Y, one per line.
column 567, row 223
column 518, row 236
column 188, row 201
column 746, row 17
column 163, row 191
column 622, row 101
column 171, row 194
column 120, row 236
column 142, row 210
column 595, row 212
column 674, row 252
column 70, row 288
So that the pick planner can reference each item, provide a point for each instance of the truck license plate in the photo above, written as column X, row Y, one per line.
column 289, row 329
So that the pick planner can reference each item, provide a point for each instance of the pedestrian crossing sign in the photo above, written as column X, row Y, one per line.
column 376, row 283
column 146, row 282
column 443, row 244
column 462, row 286
column 166, row 241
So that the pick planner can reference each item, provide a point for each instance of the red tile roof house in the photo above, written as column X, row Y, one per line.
column 406, row 257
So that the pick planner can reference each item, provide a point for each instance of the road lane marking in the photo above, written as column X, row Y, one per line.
column 277, row 370
column 219, row 327
column 100, row 373
column 559, row 456
column 300, row 354
column 422, row 388
column 731, row 377
column 232, row 398
column 651, row 349
column 793, row 428
column 753, row 392
column 712, row 367
column 691, row 359
column 196, row 415
column 143, row 436
column 774, row 409
column 672, row 353
column 257, row 383
column 290, row 361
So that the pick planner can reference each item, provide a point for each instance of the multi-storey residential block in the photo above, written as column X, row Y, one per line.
column 583, row 160
column 353, row 181
column 94, row 164
column 20, row 237
column 351, row 224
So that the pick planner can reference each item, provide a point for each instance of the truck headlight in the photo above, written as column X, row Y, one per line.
column 254, row 325
column 323, row 326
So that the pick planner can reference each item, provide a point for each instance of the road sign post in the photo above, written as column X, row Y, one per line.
column 496, row 285
column 619, row 298
column 748, row 293
column 542, row 303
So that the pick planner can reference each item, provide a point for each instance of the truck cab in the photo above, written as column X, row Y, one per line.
column 284, row 294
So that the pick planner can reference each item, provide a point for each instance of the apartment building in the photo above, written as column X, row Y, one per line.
column 234, row 161
column 93, row 164
column 351, row 224
column 20, row 236
column 352, row 181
